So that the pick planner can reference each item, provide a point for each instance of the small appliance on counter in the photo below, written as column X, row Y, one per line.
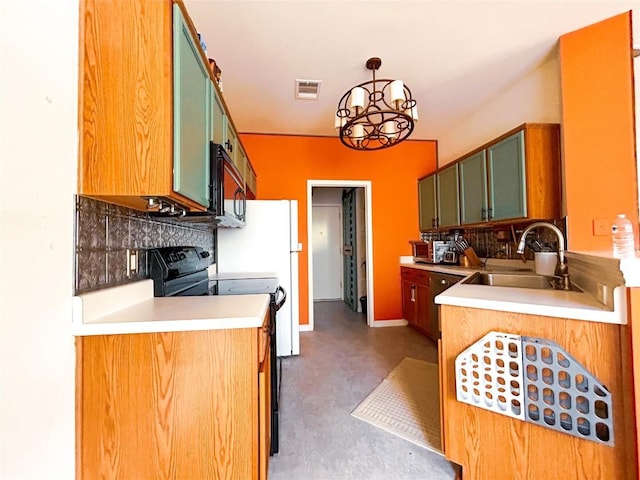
column 450, row 257
column 431, row 251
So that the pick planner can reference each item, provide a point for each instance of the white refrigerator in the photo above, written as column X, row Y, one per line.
column 268, row 243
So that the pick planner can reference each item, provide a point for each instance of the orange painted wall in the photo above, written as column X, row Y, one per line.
column 285, row 163
column 598, row 129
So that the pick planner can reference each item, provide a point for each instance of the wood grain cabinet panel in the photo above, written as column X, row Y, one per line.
column 148, row 106
column 416, row 301
column 493, row 446
column 173, row 405
column 515, row 177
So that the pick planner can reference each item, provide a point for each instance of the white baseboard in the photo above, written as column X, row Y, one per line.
column 401, row 322
column 306, row 328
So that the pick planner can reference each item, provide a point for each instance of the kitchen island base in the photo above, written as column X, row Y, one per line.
column 489, row 445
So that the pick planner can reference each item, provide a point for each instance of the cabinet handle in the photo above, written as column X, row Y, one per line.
column 413, row 293
column 433, row 222
column 490, row 213
column 483, row 213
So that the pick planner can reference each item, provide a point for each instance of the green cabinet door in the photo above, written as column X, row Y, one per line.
column 448, row 199
column 507, row 178
column 427, row 202
column 218, row 118
column 230, row 141
column 191, row 115
column 473, row 189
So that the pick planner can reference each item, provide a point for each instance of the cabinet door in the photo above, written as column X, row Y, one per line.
column 230, row 140
column 507, row 178
column 427, row 202
column 218, row 118
column 264, row 415
column 448, row 199
column 473, row 189
column 241, row 160
column 422, row 310
column 191, row 115
column 408, row 301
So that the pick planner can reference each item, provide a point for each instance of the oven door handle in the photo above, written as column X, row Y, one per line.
column 280, row 303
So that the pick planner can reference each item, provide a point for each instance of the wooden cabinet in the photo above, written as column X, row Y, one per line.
column 126, row 105
column 427, row 203
column 416, row 301
column 447, row 193
column 251, row 180
column 174, row 405
column 148, row 106
column 439, row 199
column 473, row 188
column 219, row 118
column 515, row 177
column 474, row 437
column 192, row 90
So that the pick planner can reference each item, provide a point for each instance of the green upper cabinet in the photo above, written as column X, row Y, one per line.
column 447, row 193
column 514, row 177
column 191, row 116
column 473, row 189
column 218, row 117
column 507, row 178
column 427, row 202
column 231, row 142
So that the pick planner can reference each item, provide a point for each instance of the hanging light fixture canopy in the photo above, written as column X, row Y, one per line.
column 376, row 114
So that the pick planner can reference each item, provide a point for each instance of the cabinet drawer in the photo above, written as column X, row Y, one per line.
column 415, row 275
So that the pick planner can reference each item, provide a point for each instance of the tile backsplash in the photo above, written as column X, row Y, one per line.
column 105, row 231
column 499, row 242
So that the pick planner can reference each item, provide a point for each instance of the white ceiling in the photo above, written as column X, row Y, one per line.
column 454, row 55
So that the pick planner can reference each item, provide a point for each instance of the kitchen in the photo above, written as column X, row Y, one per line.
column 50, row 231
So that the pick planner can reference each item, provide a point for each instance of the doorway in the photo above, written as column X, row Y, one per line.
column 347, row 255
column 327, row 254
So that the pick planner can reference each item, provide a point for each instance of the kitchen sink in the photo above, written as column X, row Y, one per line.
column 516, row 280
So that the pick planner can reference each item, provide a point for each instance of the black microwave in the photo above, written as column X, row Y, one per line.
column 227, row 197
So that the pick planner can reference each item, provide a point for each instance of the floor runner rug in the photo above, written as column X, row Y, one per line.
column 407, row 404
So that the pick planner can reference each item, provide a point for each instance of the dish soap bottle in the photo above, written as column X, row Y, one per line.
column 622, row 236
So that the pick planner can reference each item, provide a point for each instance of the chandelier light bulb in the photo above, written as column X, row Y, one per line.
column 357, row 132
column 389, row 129
column 357, row 97
column 397, row 92
column 412, row 112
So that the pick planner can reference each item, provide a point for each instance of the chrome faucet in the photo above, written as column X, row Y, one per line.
column 562, row 269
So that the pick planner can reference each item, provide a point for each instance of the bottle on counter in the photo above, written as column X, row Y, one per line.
column 622, row 237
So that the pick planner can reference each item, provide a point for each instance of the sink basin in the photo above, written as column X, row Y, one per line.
column 516, row 280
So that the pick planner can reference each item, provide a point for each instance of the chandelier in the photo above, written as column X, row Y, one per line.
column 376, row 114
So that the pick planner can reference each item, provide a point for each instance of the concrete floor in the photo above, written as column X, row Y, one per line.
column 341, row 362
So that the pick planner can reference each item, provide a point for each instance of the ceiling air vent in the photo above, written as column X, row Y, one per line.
column 307, row 89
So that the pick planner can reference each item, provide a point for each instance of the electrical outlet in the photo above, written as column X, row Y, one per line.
column 602, row 293
column 601, row 227
column 132, row 262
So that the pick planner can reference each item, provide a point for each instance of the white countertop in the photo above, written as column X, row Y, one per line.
column 552, row 303
column 132, row 308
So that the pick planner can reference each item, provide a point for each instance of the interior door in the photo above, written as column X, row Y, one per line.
column 327, row 257
column 350, row 275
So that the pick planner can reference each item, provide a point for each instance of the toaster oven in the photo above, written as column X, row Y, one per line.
column 432, row 251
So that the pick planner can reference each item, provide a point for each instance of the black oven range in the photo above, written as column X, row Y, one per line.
column 183, row 271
